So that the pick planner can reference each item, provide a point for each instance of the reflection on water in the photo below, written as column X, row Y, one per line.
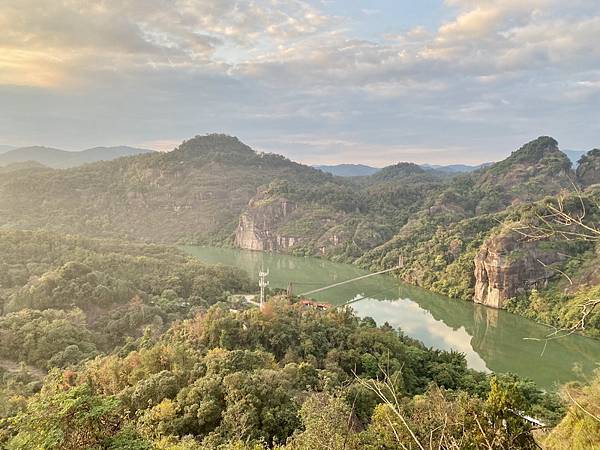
column 490, row 339
column 420, row 324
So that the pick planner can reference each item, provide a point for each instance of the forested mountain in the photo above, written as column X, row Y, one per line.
column 198, row 191
column 454, row 233
column 192, row 193
column 61, row 159
column 464, row 244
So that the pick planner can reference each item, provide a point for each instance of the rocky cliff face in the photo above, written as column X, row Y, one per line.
column 257, row 228
column 506, row 266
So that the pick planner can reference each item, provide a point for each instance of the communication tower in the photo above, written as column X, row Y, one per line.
column 263, row 283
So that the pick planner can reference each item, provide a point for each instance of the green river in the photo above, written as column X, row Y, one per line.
column 491, row 340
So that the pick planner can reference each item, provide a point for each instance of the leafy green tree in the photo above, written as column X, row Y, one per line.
column 327, row 422
column 75, row 418
column 504, row 404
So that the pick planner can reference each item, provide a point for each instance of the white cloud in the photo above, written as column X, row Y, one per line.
column 283, row 41
column 499, row 72
column 143, row 32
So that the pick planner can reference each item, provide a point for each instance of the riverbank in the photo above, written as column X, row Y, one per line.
column 491, row 339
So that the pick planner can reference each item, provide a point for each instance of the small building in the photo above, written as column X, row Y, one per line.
column 312, row 304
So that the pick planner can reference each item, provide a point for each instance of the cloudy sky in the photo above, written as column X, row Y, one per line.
column 321, row 81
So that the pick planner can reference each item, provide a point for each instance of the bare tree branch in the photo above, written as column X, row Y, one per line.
column 559, row 222
column 393, row 402
column 581, row 407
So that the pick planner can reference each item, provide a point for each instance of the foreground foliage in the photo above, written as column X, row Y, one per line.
column 284, row 376
column 580, row 429
column 145, row 351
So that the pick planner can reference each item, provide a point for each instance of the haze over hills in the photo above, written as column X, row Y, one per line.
column 27, row 165
column 361, row 170
column 62, row 159
column 6, row 148
column 57, row 158
column 456, row 168
column 348, row 170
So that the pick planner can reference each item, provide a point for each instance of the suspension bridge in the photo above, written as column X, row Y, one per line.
column 263, row 283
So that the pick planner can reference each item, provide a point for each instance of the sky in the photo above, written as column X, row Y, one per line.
column 319, row 81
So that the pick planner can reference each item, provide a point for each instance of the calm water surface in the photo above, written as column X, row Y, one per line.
column 491, row 340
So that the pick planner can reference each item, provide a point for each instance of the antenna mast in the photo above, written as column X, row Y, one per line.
column 263, row 283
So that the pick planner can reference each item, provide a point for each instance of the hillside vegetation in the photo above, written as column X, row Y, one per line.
column 192, row 193
column 214, row 189
column 65, row 298
column 145, row 348
column 195, row 193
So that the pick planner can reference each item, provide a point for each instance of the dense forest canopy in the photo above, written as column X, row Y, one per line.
column 66, row 298
column 276, row 377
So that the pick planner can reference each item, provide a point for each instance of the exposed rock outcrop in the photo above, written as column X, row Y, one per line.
column 257, row 228
column 506, row 266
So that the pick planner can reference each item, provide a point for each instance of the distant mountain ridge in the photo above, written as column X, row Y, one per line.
column 62, row 159
column 361, row 170
column 456, row 168
column 349, row 170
